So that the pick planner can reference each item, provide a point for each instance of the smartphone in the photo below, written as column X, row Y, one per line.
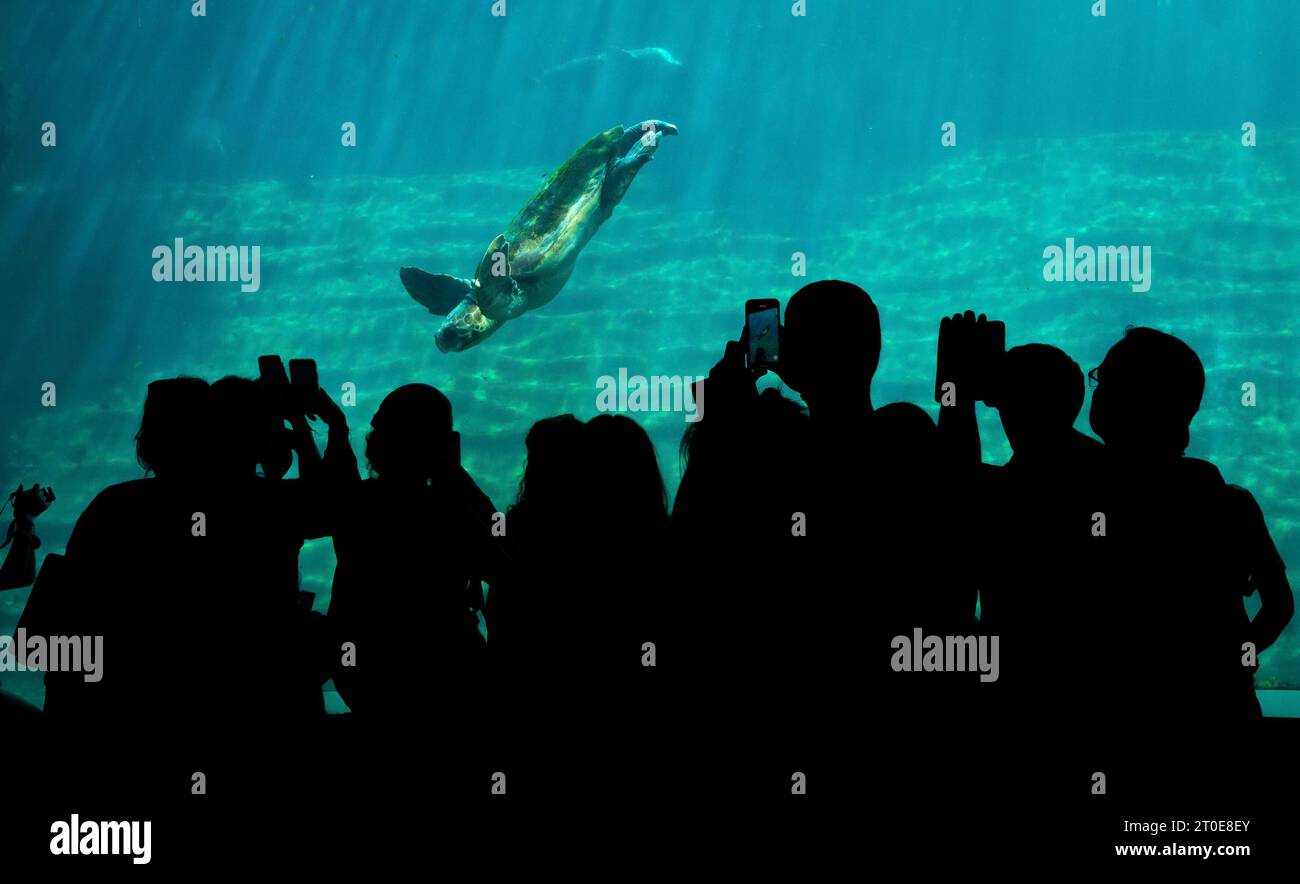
column 271, row 371
column 990, row 347
column 970, row 352
column 302, row 375
column 763, row 322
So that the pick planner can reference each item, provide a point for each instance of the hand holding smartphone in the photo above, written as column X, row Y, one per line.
column 969, row 352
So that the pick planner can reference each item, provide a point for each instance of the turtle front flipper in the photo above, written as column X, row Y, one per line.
column 437, row 292
column 497, row 293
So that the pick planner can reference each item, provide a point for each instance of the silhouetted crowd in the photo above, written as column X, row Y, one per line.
column 804, row 539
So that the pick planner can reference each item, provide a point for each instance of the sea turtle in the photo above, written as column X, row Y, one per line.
column 526, row 266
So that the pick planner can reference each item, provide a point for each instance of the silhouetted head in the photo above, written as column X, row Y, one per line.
column 411, row 437
column 247, row 431
column 762, row 477
column 831, row 345
column 554, row 460
column 904, row 436
column 1039, row 393
column 627, row 487
column 172, row 438
column 1149, row 388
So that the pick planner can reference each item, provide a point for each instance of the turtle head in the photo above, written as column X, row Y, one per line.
column 464, row 327
column 633, row 150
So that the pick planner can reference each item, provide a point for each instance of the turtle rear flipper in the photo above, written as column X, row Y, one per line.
column 438, row 292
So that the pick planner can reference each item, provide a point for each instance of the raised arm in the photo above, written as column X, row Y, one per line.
column 961, row 367
column 339, row 463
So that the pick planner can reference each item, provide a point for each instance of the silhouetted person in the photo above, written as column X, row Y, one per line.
column 1181, row 550
column 1034, row 554
column 250, row 433
column 588, row 492
column 532, row 610
column 848, row 554
column 337, row 468
column 19, row 568
column 412, row 553
column 878, row 489
column 740, row 621
column 881, row 505
column 192, row 577
column 527, row 609
column 567, row 629
column 622, row 608
column 115, row 545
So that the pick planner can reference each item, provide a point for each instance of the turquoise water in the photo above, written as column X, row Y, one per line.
column 819, row 135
